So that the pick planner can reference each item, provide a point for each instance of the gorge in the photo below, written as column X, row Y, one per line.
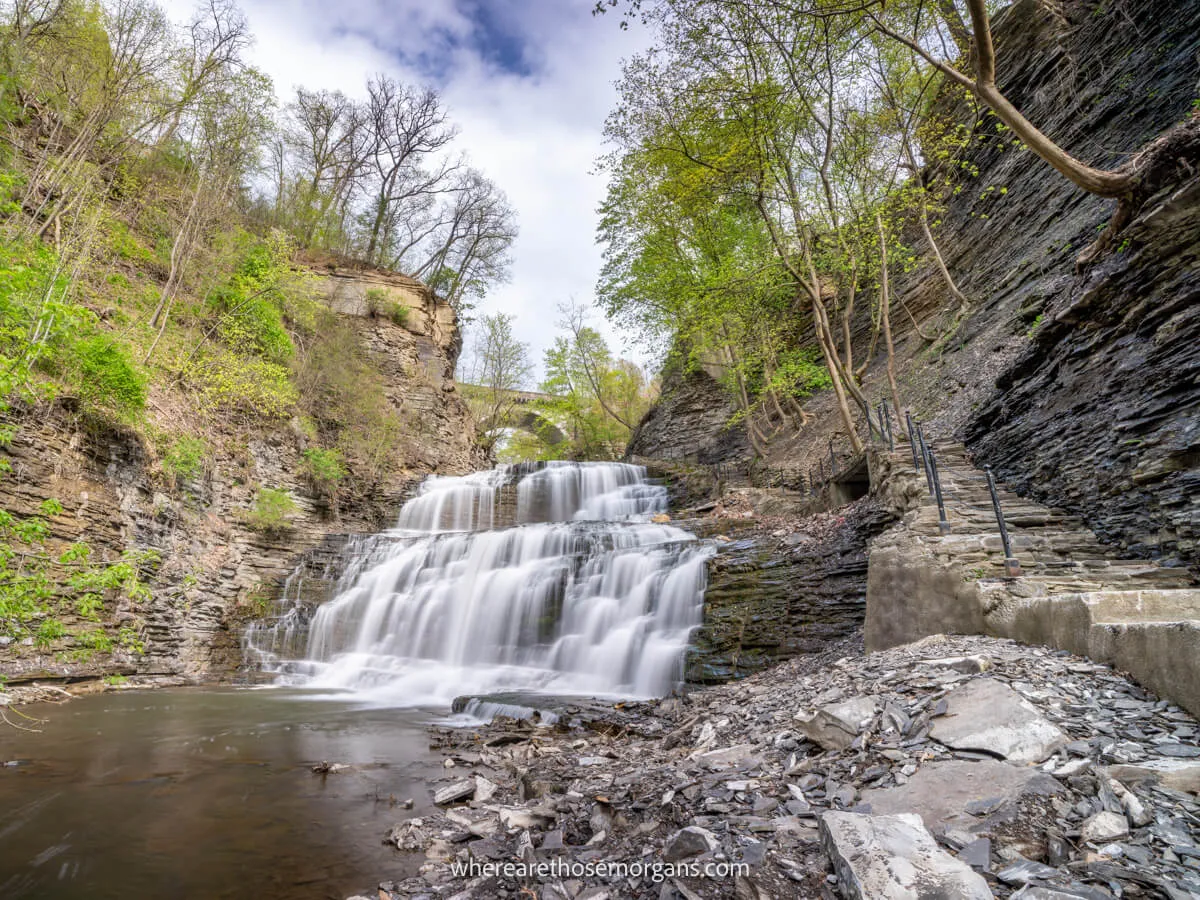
column 884, row 583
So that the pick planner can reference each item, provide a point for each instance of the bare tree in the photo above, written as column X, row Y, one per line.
column 407, row 126
column 328, row 136
column 468, row 251
column 216, row 38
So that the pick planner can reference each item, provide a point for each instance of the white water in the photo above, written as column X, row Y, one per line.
column 583, row 596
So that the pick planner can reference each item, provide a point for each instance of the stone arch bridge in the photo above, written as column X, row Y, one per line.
column 523, row 412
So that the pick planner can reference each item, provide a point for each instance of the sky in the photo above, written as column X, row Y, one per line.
column 528, row 82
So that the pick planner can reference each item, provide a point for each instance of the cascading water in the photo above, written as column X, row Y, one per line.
column 566, row 588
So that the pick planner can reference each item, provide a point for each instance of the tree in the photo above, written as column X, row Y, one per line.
column 327, row 136
column 495, row 368
column 596, row 395
column 907, row 24
column 407, row 127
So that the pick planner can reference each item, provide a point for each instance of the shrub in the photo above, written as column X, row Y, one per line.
column 184, row 459
column 254, row 325
column 228, row 384
column 48, row 632
column 95, row 639
column 398, row 313
column 272, row 511
column 345, row 394
column 377, row 298
column 380, row 304
column 107, row 377
column 323, row 470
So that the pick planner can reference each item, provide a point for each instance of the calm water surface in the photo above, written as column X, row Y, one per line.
column 203, row 793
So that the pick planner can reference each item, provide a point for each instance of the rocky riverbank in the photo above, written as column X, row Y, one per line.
column 953, row 767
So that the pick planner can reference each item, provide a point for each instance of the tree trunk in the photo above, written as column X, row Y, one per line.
column 885, row 322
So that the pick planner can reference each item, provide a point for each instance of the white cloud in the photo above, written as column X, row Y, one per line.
column 528, row 82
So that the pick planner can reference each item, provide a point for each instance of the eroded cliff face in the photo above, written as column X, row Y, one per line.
column 215, row 570
column 1079, row 387
column 690, row 422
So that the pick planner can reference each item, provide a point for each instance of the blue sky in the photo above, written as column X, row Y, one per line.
column 528, row 82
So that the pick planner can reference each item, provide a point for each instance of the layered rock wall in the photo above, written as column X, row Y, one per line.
column 1080, row 388
column 217, row 572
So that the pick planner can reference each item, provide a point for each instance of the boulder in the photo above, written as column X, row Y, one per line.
column 836, row 726
column 689, row 842
column 988, row 716
column 894, row 858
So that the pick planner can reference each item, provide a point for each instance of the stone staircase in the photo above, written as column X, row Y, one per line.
column 1074, row 592
column 1057, row 553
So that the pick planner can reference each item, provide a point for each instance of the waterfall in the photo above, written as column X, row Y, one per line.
column 547, row 578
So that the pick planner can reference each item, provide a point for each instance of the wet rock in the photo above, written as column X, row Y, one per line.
column 989, row 716
column 835, row 727
column 894, row 858
column 455, row 793
column 689, row 842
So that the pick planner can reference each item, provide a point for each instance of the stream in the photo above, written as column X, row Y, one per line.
column 557, row 579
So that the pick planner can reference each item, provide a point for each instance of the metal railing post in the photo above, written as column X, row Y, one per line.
column 1012, row 566
column 832, row 460
column 943, row 522
column 887, row 424
column 925, row 457
column 912, row 440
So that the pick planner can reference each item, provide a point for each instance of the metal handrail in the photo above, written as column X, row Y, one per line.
column 943, row 522
column 1012, row 566
column 925, row 457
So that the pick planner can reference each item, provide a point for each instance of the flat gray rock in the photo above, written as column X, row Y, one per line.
column 1177, row 774
column 940, row 792
column 986, row 715
column 456, row 792
column 894, row 858
column 835, row 727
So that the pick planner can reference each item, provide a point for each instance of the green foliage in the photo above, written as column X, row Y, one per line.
column 49, row 631
column 272, row 511
column 38, row 585
column 185, row 458
column 343, row 395
column 380, row 304
column 94, row 639
column 123, row 245
column 107, row 377
column 323, row 470
column 241, row 388
column 597, row 398
column 115, row 680
column 45, row 332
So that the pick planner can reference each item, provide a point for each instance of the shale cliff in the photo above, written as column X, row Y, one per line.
column 1077, row 383
column 214, row 568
